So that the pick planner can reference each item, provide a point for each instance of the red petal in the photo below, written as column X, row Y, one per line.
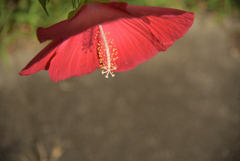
column 42, row 60
column 76, row 56
column 140, row 11
column 95, row 13
column 88, row 16
column 137, row 40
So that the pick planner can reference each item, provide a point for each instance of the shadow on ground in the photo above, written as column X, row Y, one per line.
column 182, row 105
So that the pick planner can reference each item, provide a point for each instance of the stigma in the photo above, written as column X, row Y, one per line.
column 107, row 53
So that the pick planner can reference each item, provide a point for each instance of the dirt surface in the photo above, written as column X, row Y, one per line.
column 182, row 105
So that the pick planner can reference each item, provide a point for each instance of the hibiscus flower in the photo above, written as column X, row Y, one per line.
column 113, row 36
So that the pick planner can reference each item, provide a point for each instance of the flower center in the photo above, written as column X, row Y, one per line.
column 107, row 54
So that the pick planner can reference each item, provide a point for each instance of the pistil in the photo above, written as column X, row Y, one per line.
column 106, row 57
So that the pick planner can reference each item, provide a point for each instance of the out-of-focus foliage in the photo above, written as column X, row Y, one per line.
column 20, row 18
column 218, row 7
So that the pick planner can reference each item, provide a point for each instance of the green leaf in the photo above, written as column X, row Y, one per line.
column 44, row 3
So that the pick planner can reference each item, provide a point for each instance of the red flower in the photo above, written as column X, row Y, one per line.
column 114, row 36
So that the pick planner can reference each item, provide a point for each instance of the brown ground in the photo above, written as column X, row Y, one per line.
column 182, row 105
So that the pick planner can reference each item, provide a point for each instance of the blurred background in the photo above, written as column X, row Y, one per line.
column 182, row 105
